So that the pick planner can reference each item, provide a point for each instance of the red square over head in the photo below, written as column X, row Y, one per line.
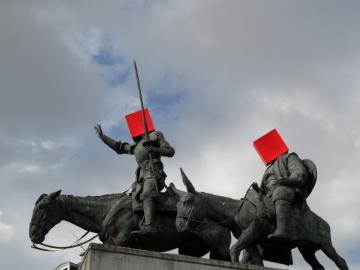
column 136, row 123
column 270, row 146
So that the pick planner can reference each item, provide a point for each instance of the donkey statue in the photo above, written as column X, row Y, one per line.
column 252, row 229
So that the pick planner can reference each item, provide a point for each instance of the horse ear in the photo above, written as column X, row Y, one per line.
column 189, row 186
column 55, row 194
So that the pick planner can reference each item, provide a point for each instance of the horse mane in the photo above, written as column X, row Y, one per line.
column 103, row 199
column 69, row 201
column 107, row 197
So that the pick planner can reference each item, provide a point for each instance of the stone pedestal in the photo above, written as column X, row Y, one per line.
column 101, row 257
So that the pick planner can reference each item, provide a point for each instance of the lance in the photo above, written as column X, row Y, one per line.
column 146, row 130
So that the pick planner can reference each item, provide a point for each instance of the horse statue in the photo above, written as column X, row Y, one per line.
column 252, row 228
column 90, row 213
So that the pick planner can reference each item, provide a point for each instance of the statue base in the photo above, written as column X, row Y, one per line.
column 104, row 257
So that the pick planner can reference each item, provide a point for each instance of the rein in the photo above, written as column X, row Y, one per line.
column 57, row 248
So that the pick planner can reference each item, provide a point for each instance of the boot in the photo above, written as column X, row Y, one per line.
column 283, row 211
column 149, row 214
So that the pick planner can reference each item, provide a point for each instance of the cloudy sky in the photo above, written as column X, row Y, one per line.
column 216, row 76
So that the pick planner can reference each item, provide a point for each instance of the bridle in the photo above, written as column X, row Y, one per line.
column 188, row 218
column 46, row 227
column 242, row 200
column 57, row 248
column 43, row 227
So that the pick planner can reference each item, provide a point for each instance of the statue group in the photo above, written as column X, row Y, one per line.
column 268, row 222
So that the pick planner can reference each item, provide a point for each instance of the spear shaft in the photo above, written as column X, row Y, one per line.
column 146, row 130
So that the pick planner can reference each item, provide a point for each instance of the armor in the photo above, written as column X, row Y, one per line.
column 150, row 178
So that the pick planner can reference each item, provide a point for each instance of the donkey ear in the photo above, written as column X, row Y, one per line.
column 176, row 191
column 189, row 186
column 55, row 194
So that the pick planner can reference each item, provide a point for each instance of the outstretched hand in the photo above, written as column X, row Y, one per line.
column 98, row 130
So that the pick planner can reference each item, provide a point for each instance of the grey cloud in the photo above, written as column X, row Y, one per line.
column 243, row 68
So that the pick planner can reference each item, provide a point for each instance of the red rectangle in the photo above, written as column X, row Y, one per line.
column 136, row 123
column 270, row 147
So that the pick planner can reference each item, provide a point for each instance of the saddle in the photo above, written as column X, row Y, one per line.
column 265, row 208
column 164, row 202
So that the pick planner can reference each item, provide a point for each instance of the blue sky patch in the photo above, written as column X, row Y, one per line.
column 105, row 57
column 118, row 78
column 162, row 102
column 120, row 131
column 355, row 255
column 114, row 68
column 165, row 94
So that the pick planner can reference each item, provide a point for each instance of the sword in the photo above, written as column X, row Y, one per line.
column 146, row 130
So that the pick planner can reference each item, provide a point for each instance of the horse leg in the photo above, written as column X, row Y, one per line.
column 310, row 258
column 254, row 255
column 221, row 254
column 121, row 239
column 330, row 251
column 220, row 245
column 247, row 237
column 245, row 258
column 119, row 230
column 119, row 234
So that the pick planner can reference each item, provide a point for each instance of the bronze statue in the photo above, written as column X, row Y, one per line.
column 288, row 180
column 251, row 221
column 117, row 218
column 268, row 222
column 150, row 175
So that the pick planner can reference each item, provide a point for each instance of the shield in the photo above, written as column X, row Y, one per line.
column 135, row 123
column 270, row 146
column 311, row 168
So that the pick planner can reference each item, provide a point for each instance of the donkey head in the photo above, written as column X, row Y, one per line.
column 45, row 216
column 190, row 209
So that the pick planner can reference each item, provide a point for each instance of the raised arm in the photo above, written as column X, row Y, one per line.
column 118, row 146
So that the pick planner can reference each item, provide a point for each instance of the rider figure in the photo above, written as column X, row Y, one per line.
column 285, row 182
column 150, row 178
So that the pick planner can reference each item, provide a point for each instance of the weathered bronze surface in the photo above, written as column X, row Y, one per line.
column 150, row 175
column 91, row 212
column 268, row 222
column 252, row 220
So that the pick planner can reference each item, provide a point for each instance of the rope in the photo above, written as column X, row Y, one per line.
column 64, row 247
column 75, row 244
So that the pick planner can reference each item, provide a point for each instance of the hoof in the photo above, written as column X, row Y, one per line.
column 234, row 256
